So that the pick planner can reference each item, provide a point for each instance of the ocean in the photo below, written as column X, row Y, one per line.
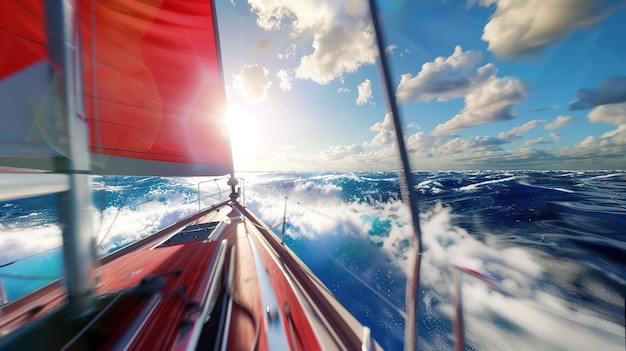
column 552, row 243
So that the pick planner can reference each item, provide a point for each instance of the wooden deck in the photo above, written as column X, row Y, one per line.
column 167, row 289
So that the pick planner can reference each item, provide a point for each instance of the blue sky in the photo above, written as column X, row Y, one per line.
column 482, row 84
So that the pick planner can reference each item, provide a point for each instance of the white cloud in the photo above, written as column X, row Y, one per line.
column 487, row 98
column 365, row 93
column 340, row 34
column 383, row 138
column 284, row 79
column 517, row 131
column 252, row 83
column 386, row 132
column 387, row 135
column 343, row 90
column 445, row 78
column 422, row 142
column 610, row 91
column 555, row 137
column 612, row 114
column 488, row 103
column 390, row 49
column 559, row 122
column 290, row 52
column 617, row 136
column 476, row 143
column 339, row 152
column 385, row 126
column 521, row 28
column 540, row 140
column 341, row 49
column 609, row 145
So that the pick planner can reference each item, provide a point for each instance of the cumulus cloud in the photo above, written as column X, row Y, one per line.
column 290, row 52
column 523, row 28
column 339, row 152
column 445, row 78
column 385, row 126
column 515, row 133
column 540, row 140
column 609, row 145
column 340, row 33
column 612, row 114
column 343, row 49
column 429, row 145
column 490, row 102
column 559, row 122
column 343, row 90
column 386, row 132
column 382, row 138
column 475, row 143
column 422, row 142
column 487, row 98
column 284, row 79
column 365, row 93
column 610, row 91
column 252, row 83
column 390, row 49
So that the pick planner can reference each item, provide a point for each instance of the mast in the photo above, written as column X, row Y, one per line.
column 74, row 204
column 407, row 187
column 232, row 182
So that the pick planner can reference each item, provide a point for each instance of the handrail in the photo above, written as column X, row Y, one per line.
column 459, row 325
column 219, row 193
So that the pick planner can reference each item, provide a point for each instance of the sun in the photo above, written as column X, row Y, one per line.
column 244, row 131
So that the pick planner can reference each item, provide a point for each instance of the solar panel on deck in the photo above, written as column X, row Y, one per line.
column 200, row 231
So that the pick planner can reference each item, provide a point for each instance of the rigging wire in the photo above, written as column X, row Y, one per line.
column 409, row 196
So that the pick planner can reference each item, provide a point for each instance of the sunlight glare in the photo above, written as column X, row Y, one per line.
column 244, row 129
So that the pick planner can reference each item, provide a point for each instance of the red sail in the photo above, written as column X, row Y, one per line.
column 153, row 90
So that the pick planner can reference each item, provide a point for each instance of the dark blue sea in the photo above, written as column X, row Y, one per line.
column 553, row 245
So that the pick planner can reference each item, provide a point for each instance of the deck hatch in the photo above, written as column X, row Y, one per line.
column 202, row 231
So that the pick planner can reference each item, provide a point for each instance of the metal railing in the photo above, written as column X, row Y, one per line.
column 216, row 195
column 222, row 193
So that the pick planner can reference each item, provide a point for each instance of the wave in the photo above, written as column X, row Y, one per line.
column 361, row 234
column 552, row 241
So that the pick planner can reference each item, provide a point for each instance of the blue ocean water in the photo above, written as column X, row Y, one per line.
column 554, row 243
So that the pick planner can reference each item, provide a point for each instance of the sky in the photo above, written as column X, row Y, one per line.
column 480, row 84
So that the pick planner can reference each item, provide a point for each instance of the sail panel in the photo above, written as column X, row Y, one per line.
column 32, row 135
column 154, row 88
column 152, row 84
column 22, row 35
